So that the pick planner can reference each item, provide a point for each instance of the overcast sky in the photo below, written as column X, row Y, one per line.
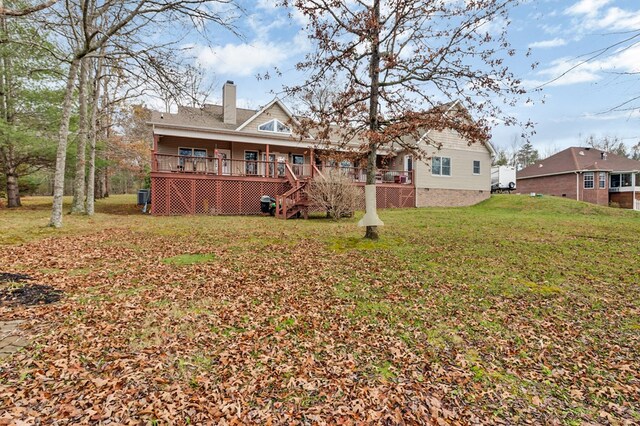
column 560, row 34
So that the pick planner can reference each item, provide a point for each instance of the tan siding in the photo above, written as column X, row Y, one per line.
column 274, row 111
column 462, row 176
column 452, row 140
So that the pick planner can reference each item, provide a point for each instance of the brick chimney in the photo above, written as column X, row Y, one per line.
column 229, row 102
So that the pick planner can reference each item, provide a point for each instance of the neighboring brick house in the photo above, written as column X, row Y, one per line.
column 220, row 159
column 585, row 174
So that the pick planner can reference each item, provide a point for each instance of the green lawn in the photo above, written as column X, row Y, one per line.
column 517, row 310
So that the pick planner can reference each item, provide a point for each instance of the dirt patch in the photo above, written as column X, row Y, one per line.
column 29, row 294
column 15, row 291
column 6, row 277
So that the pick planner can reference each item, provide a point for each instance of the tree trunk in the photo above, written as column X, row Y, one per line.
column 79, row 183
column 61, row 156
column 13, row 193
column 374, row 125
column 95, row 94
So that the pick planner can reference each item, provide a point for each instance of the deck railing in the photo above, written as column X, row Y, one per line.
column 359, row 174
column 270, row 169
column 222, row 166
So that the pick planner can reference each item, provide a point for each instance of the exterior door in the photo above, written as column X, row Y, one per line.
column 408, row 167
column 225, row 155
column 298, row 164
column 251, row 163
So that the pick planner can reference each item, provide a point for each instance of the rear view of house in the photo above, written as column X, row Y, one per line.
column 220, row 159
column 585, row 174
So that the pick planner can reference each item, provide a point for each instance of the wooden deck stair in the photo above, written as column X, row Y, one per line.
column 294, row 202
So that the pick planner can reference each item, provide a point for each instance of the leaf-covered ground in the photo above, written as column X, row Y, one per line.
column 516, row 311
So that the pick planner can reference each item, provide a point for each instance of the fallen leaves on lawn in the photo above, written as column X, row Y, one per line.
column 292, row 334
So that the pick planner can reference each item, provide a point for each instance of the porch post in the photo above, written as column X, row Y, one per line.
column 154, row 151
column 267, row 164
column 633, row 194
column 312, row 160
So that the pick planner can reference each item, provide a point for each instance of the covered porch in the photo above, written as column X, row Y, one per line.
column 270, row 161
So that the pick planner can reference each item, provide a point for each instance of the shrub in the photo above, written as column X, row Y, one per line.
column 335, row 193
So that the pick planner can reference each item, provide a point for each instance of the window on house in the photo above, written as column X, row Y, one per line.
column 275, row 126
column 588, row 180
column 620, row 180
column 192, row 152
column 602, row 182
column 188, row 160
column 614, row 181
column 476, row 167
column 441, row 166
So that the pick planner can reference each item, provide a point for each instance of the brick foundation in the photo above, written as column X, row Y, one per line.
column 430, row 197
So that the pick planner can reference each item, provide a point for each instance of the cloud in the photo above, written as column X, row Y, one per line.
column 241, row 59
column 618, row 19
column 593, row 15
column 546, row 44
column 586, row 7
column 567, row 71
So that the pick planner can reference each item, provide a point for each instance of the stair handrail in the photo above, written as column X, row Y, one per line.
column 317, row 170
column 293, row 194
column 291, row 177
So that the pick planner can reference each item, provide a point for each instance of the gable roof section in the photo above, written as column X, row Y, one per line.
column 448, row 108
column 576, row 159
column 275, row 101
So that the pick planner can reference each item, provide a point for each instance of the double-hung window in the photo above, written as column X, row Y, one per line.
column 588, row 180
column 602, row 180
column 476, row 167
column 441, row 166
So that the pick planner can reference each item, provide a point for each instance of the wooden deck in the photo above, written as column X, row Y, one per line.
column 212, row 186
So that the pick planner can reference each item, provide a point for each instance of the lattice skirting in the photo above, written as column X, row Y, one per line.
column 210, row 196
column 389, row 197
column 179, row 196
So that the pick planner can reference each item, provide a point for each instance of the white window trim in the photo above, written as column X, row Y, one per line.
column 440, row 174
column 275, row 122
column 602, row 183
column 473, row 167
column 584, row 180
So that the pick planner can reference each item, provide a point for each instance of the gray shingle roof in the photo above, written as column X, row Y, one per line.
column 209, row 116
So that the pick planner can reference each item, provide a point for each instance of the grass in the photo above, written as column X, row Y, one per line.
column 516, row 309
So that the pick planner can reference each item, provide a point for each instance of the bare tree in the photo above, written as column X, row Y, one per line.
column 335, row 193
column 398, row 65
column 90, row 28
column 614, row 145
column 24, row 10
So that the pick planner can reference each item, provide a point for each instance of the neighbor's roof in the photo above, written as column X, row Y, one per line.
column 579, row 159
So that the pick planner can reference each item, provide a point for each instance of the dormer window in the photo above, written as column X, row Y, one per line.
column 275, row 126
